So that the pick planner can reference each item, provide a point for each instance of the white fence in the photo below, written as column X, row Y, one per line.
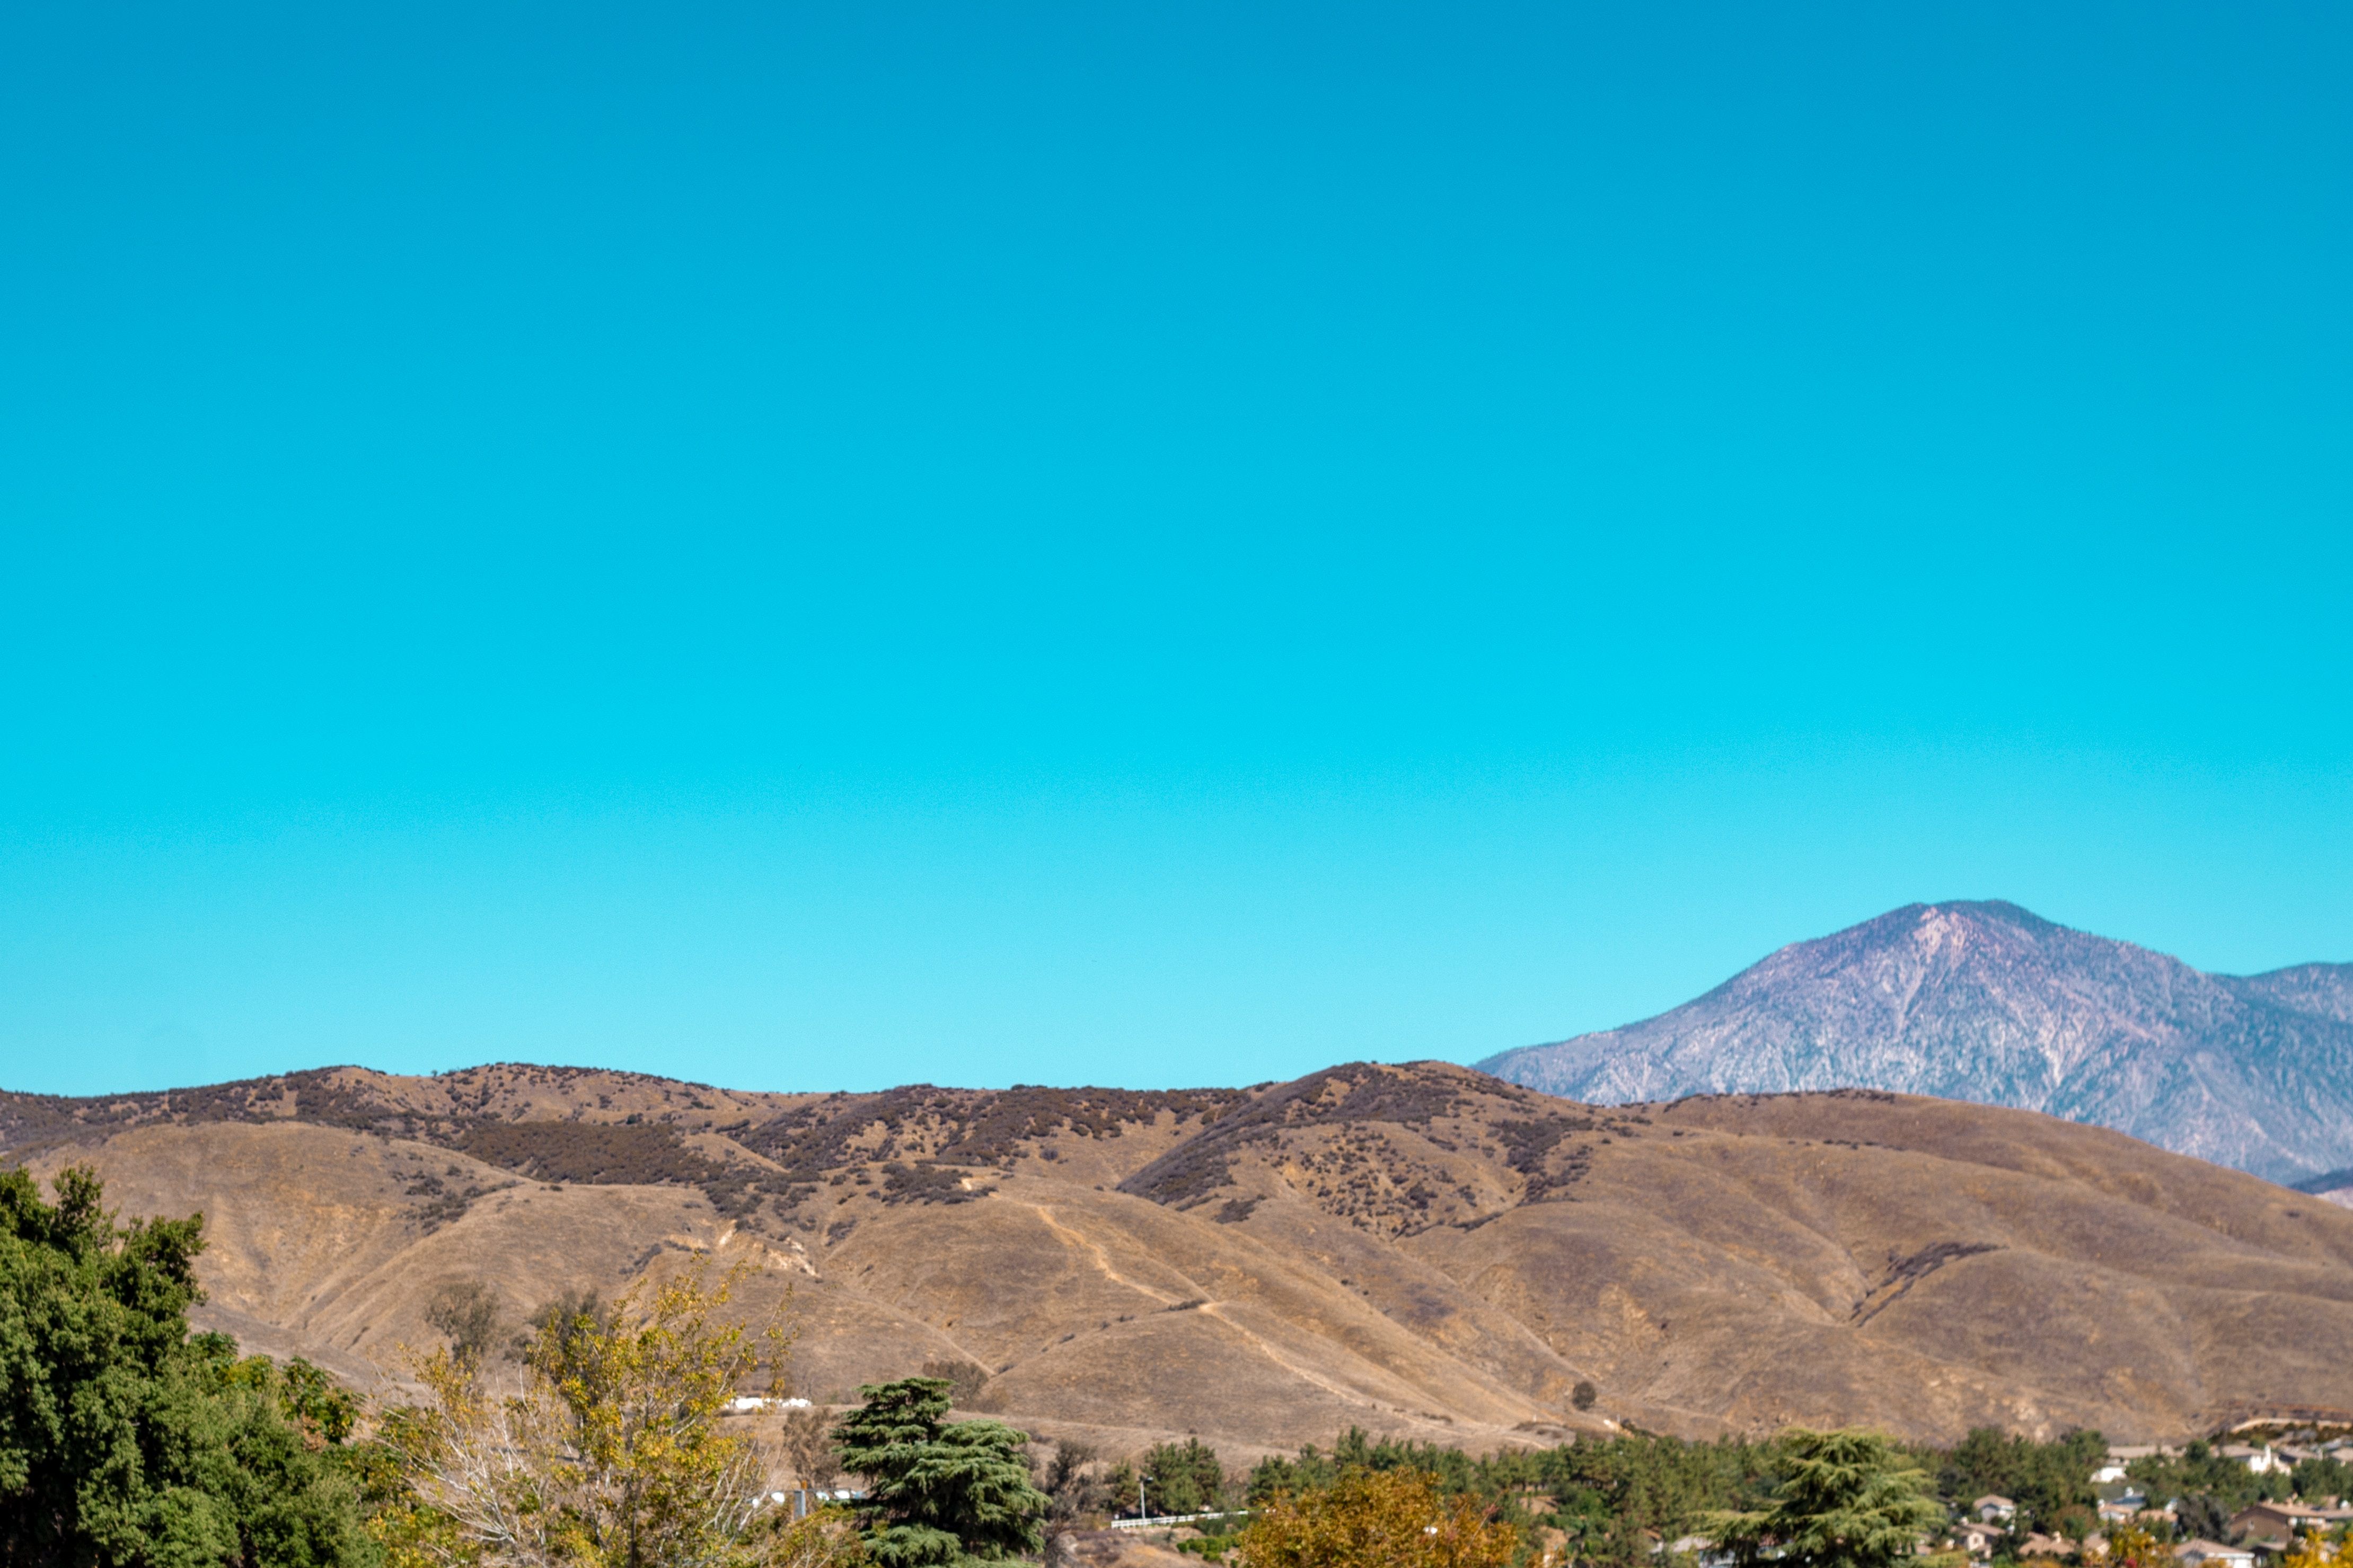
column 1164, row 1521
column 804, row 1499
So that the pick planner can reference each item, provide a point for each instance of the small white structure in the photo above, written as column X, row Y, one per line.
column 744, row 1405
column 805, row 1500
column 2260, row 1461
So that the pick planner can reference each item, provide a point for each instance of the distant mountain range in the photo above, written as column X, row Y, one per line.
column 1420, row 1250
column 1989, row 1003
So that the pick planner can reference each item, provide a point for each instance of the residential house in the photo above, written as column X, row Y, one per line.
column 2041, row 1546
column 2203, row 1554
column 2284, row 1521
column 2260, row 1460
column 1978, row 1540
column 1994, row 1510
column 2119, row 1501
column 2125, row 1453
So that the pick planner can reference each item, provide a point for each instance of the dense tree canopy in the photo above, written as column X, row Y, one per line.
column 125, row 1439
column 1184, row 1478
column 1604, row 1492
column 2211, row 1487
column 2045, row 1479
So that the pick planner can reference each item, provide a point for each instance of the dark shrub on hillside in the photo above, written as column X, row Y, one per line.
column 593, row 1152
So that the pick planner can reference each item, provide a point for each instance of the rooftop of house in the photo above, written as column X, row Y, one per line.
column 2297, row 1509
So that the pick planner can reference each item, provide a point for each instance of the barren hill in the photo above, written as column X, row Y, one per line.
column 1987, row 1002
column 1419, row 1250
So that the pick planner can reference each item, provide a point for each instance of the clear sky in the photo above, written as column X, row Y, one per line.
column 819, row 546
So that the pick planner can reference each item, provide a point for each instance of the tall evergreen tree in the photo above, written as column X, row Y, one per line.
column 938, row 1494
column 1849, row 1500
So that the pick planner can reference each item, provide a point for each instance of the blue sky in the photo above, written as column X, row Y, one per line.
column 813, row 547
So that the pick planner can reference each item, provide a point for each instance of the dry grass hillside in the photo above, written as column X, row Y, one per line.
column 1422, row 1250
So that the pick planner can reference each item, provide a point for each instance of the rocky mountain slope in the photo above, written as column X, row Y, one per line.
column 1985, row 1002
column 1422, row 1250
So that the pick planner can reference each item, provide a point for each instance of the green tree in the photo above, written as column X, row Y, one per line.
column 125, row 1440
column 2316, row 1479
column 938, row 1493
column 1073, row 1488
column 1847, row 1500
column 1184, row 1477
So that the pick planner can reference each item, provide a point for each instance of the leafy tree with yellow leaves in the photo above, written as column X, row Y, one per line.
column 606, row 1452
column 1378, row 1518
column 822, row 1538
column 2130, row 1546
column 2312, row 1550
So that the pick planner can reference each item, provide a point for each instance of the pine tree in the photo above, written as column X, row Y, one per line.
column 1849, row 1501
column 938, row 1494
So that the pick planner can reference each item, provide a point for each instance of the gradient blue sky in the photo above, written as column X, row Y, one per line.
column 823, row 546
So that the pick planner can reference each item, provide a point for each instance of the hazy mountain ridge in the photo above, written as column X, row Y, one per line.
column 2323, row 990
column 1989, row 1003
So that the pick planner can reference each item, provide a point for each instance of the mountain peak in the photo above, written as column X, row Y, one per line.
column 1984, row 1000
